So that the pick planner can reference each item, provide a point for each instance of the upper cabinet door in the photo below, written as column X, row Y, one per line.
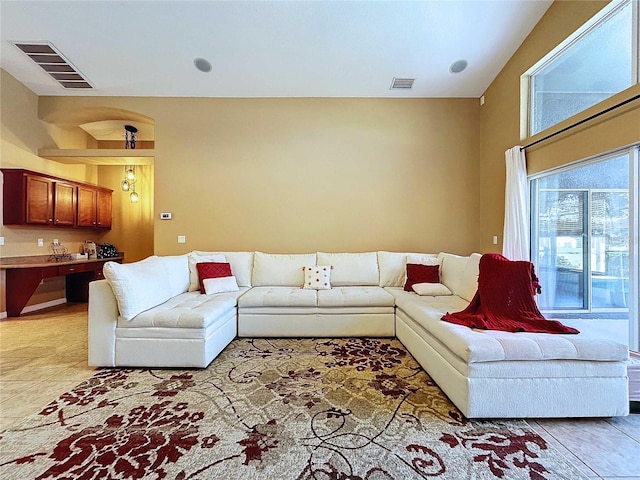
column 87, row 202
column 65, row 204
column 104, row 208
column 39, row 201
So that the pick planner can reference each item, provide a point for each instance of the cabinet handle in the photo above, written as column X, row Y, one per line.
column 72, row 269
column 51, row 219
column 94, row 223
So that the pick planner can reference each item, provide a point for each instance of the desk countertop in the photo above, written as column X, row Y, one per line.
column 35, row 261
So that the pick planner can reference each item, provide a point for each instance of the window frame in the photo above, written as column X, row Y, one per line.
column 528, row 78
column 633, row 152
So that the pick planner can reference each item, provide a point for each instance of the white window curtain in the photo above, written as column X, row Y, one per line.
column 515, row 244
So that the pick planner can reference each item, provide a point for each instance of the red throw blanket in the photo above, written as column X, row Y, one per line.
column 505, row 299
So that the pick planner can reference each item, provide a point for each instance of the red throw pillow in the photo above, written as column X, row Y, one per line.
column 421, row 274
column 212, row 270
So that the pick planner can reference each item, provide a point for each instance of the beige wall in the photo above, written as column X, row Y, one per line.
column 298, row 175
column 500, row 118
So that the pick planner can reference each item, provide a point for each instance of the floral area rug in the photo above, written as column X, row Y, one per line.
column 343, row 409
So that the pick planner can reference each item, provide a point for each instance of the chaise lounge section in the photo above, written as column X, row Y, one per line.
column 151, row 314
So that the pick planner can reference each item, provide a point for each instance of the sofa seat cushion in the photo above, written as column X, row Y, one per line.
column 279, row 297
column 189, row 310
column 339, row 297
column 476, row 346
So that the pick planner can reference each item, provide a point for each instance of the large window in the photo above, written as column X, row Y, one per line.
column 598, row 61
column 583, row 245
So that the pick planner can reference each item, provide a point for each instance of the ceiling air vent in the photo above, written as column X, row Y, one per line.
column 402, row 83
column 54, row 63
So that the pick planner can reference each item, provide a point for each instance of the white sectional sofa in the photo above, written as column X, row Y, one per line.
column 150, row 314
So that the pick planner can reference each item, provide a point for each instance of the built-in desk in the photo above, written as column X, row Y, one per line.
column 24, row 274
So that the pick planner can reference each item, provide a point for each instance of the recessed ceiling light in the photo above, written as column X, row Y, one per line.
column 203, row 64
column 458, row 66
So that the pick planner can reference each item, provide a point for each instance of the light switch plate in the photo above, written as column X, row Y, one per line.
column 1, row 241
column 182, row 239
column 41, row 242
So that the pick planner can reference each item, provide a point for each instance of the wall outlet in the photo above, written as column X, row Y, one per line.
column 182, row 239
column 495, row 239
column 41, row 242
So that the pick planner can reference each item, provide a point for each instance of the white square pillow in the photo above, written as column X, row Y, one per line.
column 138, row 286
column 317, row 277
column 220, row 285
column 460, row 274
column 194, row 258
column 431, row 289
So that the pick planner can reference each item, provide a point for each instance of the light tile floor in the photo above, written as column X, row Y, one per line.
column 44, row 354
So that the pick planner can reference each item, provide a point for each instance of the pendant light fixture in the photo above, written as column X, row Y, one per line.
column 129, row 183
column 125, row 184
column 130, row 136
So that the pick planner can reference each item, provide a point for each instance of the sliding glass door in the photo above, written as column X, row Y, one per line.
column 583, row 246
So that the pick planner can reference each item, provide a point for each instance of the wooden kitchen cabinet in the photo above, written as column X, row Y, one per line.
column 87, row 209
column 104, row 208
column 36, row 200
column 30, row 198
column 94, row 207
column 64, row 204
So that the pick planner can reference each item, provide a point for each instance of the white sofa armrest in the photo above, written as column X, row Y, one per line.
column 103, row 320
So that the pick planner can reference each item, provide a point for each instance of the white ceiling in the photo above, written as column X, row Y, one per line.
column 269, row 48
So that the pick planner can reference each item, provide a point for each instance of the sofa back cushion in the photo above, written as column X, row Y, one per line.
column 460, row 274
column 393, row 267
column 138, row 286
column 280, row 270
column 241, row 264
column 177, row 267
column 351, row 268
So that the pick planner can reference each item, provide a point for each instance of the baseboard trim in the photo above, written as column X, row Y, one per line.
column 43, row 305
